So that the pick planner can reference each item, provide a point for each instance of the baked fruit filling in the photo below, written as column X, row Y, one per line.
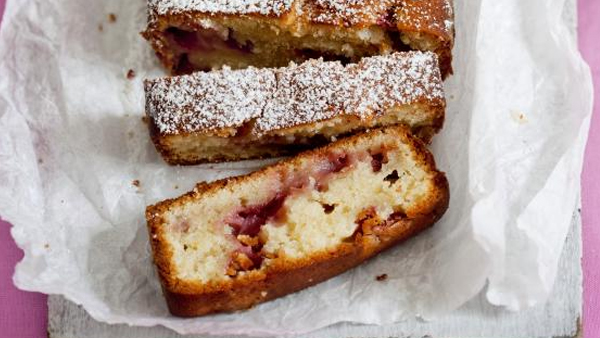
column 338, row 197
column 207, row 40
column 203, row 48
column 190, row 46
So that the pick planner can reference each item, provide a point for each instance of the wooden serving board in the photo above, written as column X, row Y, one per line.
column 559, row 317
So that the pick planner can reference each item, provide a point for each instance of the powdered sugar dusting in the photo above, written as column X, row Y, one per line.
column 208, row 101
column 299, row 94
column 347, row 12
column 420, row 14
column 316, row 91
column 264, row 7
column 384, row 82
column 312, row 91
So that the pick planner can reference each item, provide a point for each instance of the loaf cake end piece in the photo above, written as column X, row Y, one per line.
column 191, row 35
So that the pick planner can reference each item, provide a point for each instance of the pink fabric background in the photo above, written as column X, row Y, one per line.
column 24, row 315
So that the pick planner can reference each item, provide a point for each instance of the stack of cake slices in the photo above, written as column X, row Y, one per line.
column 351, row 90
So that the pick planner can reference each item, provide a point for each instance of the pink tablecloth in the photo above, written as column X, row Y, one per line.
column 589, row 31
column 24, row 315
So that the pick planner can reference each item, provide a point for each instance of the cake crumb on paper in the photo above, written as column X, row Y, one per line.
column 519, row 117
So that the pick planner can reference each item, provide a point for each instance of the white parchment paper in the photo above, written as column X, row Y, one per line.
column 72, row 142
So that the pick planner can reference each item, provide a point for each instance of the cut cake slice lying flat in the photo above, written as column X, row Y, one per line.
column 237, row 242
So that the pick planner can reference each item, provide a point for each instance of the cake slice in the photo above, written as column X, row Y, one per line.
column 237, row 242
column 255, row 113
column 190, row 35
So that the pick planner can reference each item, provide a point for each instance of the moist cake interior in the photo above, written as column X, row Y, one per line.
column 240, row 47
column 294, row 215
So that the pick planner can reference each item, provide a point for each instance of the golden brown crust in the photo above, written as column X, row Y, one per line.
column 166, row 150
column 434, row 18
column 188, row 299
column 423, row 25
